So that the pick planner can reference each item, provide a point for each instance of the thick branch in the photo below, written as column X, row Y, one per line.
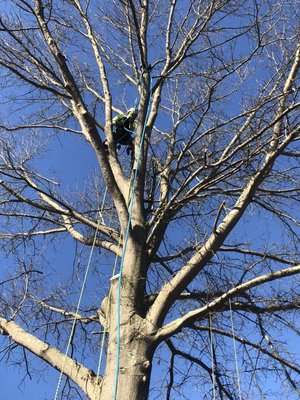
column 192, row 316
column 171, row 290
column 56, row 206
column 83, row 377
column 84, row 118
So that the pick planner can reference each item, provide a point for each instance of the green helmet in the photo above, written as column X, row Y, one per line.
column 132, row 112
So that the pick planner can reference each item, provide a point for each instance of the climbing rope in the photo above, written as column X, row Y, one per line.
column 80, row 296
column 235, row 352
column 125, row 245
column 109, row 293
column 106, row 314
column 109, row 299
column 212, row 358
column 132, row 194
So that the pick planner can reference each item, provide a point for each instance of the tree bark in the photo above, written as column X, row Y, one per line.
column 128, row 363
column 134, row 369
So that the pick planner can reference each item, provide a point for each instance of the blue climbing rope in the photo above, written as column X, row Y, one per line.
column 125, row 245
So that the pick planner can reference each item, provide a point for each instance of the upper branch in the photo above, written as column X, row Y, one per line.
column 52, row 204
column 285, row 93
column 170, row 291
column 192, row 316
column 83, row 116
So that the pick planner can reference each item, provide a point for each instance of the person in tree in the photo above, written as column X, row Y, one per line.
column 123, row 130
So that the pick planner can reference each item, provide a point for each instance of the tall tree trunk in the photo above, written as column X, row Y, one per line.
column 134, row 356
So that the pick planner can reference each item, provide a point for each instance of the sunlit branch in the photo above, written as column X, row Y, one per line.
column 85, row 378
column 192, row 316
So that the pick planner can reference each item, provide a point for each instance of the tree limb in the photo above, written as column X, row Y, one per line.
column 83, row 377
column 176, row 325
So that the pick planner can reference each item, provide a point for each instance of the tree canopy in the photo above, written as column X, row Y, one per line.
column 185, row 253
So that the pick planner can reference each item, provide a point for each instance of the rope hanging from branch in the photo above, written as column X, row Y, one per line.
column 125, row 244
column 80, row 296
column 235, row 352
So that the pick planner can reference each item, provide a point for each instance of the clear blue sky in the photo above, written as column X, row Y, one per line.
column 72, row 158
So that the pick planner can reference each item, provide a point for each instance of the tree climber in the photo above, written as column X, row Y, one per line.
column 123, row 130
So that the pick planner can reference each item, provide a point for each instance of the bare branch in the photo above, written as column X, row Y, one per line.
column 192, row 316
column 83, row 377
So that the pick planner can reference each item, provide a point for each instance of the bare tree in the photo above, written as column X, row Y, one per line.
column 203, row 222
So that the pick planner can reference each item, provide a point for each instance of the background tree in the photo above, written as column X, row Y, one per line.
column 204, row 228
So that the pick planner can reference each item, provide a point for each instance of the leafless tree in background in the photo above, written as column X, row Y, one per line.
column 210, row 271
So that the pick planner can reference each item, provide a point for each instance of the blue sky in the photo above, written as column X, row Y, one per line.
column 74, row 161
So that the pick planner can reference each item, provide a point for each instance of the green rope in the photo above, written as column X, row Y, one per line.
column 107, row 313
column 109, row 295
column 124, row 248
column 80, row 299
